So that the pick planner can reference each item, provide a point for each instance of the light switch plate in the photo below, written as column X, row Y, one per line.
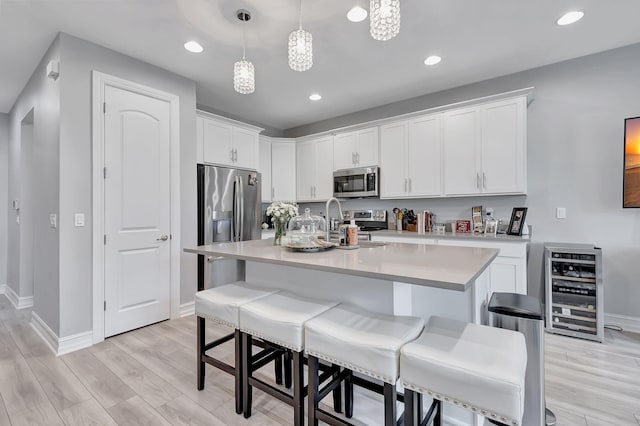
column 79, row 220
column 561, row 213
column 53, row 220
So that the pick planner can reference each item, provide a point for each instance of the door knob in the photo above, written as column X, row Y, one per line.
column 163, row 238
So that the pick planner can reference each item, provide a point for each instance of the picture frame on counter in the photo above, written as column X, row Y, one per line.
column 463, row 226
column 476, row 217
column 516, row 224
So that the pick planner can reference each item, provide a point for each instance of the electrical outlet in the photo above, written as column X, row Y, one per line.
column 53, row 220
column 561, row 213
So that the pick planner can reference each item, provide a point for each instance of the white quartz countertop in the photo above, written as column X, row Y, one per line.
column 449, row 267
column 467, row 236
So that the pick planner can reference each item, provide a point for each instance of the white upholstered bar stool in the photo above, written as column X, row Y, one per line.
column 222, row 305
column 476, row 367
column 278, row 319
column 362, row 341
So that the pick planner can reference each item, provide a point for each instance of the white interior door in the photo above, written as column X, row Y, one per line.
column 137, row 210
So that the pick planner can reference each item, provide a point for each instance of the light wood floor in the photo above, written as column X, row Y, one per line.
column 147, row 376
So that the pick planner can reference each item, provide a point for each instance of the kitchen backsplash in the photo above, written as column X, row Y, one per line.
column 445, row 209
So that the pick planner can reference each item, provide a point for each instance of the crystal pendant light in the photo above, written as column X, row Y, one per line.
column 300, row 48
column 384, row 19
column 244, row 76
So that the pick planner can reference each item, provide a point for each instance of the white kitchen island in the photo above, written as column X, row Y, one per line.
column 403, row 279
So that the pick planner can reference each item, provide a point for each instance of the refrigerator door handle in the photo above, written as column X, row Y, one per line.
column 236, row 210
column 241, row 218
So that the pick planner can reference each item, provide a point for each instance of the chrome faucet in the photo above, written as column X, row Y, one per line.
column 326, row 209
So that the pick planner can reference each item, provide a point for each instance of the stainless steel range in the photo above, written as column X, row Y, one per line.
column 367, row 220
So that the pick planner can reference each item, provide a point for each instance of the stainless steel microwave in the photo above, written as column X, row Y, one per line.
column 356, row 183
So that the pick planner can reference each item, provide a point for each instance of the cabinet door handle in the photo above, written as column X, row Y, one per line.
column 405, row 184
column 357, row 158
column 353, row 158
column 484, row 180
column 478, row 180
column 409, row 184
column 231, row 155
column 235, row 154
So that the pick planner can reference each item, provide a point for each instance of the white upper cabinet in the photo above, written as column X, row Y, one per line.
column 485, row 149
column 245, row 143
column 227, row 142
column 393, row 153
column 283, row 170
column 264, row 167
column 356, row 149
column 504, row 164
column 411, row 158
column 315, row 169
column 462, row 151
column 424, row 156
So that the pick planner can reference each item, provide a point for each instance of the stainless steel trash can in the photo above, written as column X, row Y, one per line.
column 524, row 314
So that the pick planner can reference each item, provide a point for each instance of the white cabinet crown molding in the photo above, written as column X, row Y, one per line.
column 205, row 114
column 527, row 91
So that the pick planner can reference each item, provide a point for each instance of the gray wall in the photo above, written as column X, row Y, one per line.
column 79, row 58
column 42, row 95
column 575, row 151
column 4, row 198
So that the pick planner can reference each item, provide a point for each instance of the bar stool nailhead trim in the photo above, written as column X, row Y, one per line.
column 485, row 413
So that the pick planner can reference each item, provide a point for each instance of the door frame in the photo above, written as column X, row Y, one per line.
column 99, row 82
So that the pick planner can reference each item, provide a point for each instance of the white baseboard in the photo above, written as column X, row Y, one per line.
column 63, row 345
column 187, row 309
column 75, row 342
column 43, row 330
column 627, row 323
column 17, row 301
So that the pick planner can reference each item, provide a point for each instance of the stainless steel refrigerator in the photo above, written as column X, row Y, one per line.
column 229, row 209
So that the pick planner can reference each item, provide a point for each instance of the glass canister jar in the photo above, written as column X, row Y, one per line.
column 306, row 226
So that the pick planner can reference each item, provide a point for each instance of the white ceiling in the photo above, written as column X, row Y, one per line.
column 478, row 39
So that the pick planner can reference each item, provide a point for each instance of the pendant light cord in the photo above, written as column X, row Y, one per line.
column 300, row 14
column 244, row 37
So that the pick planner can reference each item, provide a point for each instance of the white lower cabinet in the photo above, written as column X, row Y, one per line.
column 507, row 273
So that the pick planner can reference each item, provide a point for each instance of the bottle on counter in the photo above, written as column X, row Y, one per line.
column 352, row 233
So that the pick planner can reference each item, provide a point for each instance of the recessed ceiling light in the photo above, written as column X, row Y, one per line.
column 570, row 18
column 432, row 60
column 315, row 97
column 357, row 14
column 193, row 47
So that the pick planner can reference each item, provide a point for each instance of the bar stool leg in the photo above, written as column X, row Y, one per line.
column 390, row 396
column 200, row 350
column 348, row 395
column 437, row 420
column 298, row 389
column 287, row 369
column 313, row 390
column 247, row 352
column 337, row 396
column 278, row 368
column 239, row 367
column 410, row 413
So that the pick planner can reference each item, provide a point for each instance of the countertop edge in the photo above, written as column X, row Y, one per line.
column 373, row 275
